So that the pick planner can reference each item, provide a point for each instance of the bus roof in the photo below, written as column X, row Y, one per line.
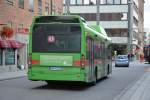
column 60, row 18
column 97, row 30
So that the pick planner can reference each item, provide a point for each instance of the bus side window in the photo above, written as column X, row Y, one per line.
column 87, row 47
column 96, row 49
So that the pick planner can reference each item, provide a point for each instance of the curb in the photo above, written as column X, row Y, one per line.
column 131, row 91
column 10, row 78
column 12, row 75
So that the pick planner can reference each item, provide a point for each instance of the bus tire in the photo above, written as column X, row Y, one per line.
column 108, row 71
column 149, row 61
column 50, row 82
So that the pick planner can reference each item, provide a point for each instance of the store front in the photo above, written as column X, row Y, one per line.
column 8, row 55
column 119, row 48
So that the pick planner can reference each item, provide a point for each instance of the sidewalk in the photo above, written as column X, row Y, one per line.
column 12, row 75
column 139, row 90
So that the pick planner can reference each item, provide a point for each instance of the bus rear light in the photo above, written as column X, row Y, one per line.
column 29, row 60
column 83, row 60
column 77, row 63
column 35, row 62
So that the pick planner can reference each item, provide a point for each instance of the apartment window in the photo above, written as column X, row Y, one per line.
column 102, row 1
column 20, row 26
column 109, row 1
column 117, row 2
column 64, row 2
column 31, row 5
column 117, row 32
column 10, row 2
column 46, row 8
column 87, row 16
column 53, row 9
column 9, row 56
column 124, row 1
column 92, row 2
column 9, row 23
column 72, row 2
column 1, row 56
column 21, row 4
column 104, row 16
column 79, row 2
column 124, row 16
column 86, row 2
column 40, row 7
column 113, row 16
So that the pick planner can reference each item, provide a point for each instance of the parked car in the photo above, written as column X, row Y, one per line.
column 122, row 60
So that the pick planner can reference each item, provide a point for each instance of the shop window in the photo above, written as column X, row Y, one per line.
column 1, row 56
column 10, row 56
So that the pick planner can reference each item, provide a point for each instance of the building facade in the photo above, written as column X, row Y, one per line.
column 18, row 14
column 122, row 19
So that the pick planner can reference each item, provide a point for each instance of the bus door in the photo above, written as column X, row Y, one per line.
column 103, row 59
column 91, row 57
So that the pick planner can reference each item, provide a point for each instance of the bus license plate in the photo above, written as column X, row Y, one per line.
column 55, row 68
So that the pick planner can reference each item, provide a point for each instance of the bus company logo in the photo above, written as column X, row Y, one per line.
column 51, row 39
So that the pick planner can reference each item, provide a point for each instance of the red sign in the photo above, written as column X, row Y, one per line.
column 51, row 39
column 23, row 30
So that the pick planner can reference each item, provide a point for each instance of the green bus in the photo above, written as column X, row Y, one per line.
column 65, row 48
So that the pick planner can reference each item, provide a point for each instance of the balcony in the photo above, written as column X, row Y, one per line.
column 119, row 40
column 93, row 8
column 111, row 24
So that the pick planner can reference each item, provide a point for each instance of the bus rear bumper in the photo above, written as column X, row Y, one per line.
column 56, row 77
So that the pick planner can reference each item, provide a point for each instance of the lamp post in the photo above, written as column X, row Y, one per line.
column 98, row 12
column 67, row 8
column 130, row 21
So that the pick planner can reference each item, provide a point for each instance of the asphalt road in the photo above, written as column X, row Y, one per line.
column 106, row 89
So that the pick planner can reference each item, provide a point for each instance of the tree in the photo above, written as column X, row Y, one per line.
column 6, row 32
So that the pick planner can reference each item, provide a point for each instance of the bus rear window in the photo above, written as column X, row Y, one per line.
column 56, row 38
column 62, row 19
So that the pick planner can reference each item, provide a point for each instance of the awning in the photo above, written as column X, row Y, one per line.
column 10, row 44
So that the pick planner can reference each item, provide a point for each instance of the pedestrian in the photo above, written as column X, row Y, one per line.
column 18, row 62
column 141, row 57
